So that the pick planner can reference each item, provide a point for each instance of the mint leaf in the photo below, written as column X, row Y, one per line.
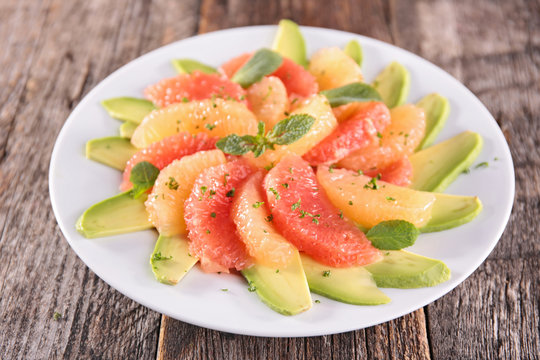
column 393, row 235
column 355, row 92
column 291, row 129
column 262, row 63
column 235, row 145
column 284, row 132
column 143, row 175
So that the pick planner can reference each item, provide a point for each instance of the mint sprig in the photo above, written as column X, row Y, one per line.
column 393, row 235
column 284, row 132
column 143, row 176
column 355, row 92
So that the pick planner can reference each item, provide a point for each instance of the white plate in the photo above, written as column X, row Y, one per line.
column 122, row 261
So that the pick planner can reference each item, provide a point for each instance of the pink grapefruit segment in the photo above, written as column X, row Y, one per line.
column 398, row 173
column 194, row 86
column 356, row 133
column 212, row 232
column 304, row 215
column 162, row 153
column 250, row 214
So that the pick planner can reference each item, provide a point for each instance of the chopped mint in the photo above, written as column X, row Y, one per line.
column 57, row 316
column 326, row 273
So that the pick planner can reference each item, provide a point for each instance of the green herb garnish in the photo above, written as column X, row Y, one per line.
column 143, row 176
column 393, row 235
column 158, row 257
column 355, row 92
column 230, row 193
column 251, row 287
column 258, row 204
column 262, row 63
column 284, row 132
column 326, row 273
column 57, row 316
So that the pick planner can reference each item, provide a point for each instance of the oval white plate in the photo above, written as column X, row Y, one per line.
column 122, row 261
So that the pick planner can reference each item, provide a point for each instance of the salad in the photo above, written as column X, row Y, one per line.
column 298, row 175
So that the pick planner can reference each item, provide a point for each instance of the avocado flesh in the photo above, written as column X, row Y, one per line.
column 285, row 291
column 113, row 151
column 354, row 50
column 119, row 214
column 128, row 108
column 393, row 84
column 450, row 211
column 437, row 166
column 127, row 129
column 404, row 270
column 171, row 259
column 353, row 285
column 290, row 43
column 187, row 66
column 437, row 108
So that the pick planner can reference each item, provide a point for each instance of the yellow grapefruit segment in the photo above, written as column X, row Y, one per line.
column 269, row 100
column 325, row 122
column 216, row 117
column 333, row 68
column 250, row 214
column 398, row 139
column 369, row 201
column 165, row 205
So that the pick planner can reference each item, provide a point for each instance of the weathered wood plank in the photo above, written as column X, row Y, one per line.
column 54, row 52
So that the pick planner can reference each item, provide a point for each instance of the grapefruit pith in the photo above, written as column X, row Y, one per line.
column 304, row 215
column 212, row 232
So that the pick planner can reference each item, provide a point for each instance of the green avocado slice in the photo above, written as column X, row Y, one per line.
column 354, row 50
column 128, row 108
column 437, row 109
column 404, row 270
column 116, row 215
column 127, row 129
column 284, row 290
column 393, row 84
column 187, row 66
column 451, row 211
column 353, row 285
column 113, row 151
column 290, row 43
column 171, row 259
column 437, row 166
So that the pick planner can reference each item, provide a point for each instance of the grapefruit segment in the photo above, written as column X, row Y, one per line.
column 162, row 153
column 194, row 86
column 165, row 205
column 357, row 132
column 306, row 217
column 398, row 173
column 250, row 214
column 369, row 201
column 212, row 232
column 399, row 139
column 268, row 100
column 230, row 67
column 333, row 68
column 215, row 117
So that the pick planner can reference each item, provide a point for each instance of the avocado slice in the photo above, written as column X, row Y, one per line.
column 435, row 167
column 404, row 270
column 354, row 50
column 127, row 129
column 128, row 108
column 116, row 215
column 393, row 84
column 284, row 290
column 353, row 285
column 290, row 42
column 113, row 151
column 171, row 259
column 187, row 66
column 450, row 211
column 437, row 109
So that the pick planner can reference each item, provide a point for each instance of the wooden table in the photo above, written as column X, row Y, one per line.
column 54, row 52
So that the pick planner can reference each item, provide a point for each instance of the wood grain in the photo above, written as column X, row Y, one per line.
column 55, row 51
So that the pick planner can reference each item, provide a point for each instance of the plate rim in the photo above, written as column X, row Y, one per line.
column 458, row 280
